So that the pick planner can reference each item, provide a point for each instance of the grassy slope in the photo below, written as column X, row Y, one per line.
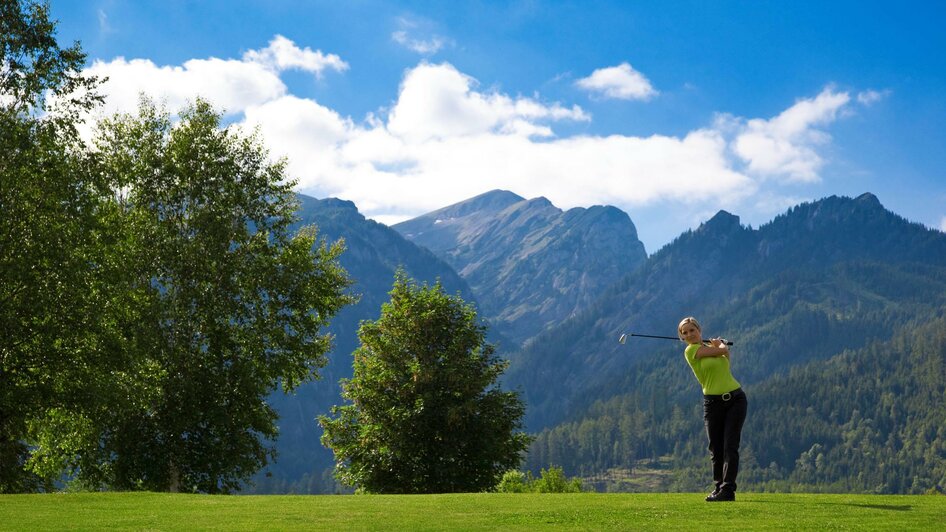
column 155, row 511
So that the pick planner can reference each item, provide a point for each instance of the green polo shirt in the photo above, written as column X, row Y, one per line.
column 712, row 372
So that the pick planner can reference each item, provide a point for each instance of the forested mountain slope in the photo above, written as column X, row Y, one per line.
column 825, row 276
column 867, row 420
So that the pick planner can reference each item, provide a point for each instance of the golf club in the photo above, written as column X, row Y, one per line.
column 623, row 338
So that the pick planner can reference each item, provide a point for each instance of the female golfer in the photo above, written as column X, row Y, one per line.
column 724, row 405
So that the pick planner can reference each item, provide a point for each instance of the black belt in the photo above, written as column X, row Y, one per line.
column 725, row 397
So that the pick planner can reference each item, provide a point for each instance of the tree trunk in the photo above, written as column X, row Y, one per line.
column 175, row 478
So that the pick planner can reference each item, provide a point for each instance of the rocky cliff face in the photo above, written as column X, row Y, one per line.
column 530, row 264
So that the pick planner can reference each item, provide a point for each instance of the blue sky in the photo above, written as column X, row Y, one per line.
column 668, row 110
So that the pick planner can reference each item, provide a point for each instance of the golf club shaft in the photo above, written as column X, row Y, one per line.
column 665, row 337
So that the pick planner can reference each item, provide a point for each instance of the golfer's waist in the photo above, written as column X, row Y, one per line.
column 725, row 396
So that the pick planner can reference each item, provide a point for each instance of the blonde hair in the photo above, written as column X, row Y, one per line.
column 684, row 321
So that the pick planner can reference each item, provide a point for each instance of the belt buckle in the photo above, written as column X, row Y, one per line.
column 726, row 396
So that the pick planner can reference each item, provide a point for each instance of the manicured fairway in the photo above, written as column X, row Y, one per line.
column 590, row 511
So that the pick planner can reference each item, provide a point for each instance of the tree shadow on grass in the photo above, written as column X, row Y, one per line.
column 890, row 507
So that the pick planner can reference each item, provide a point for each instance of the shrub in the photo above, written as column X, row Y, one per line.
column 551, row 480
column 515, row 481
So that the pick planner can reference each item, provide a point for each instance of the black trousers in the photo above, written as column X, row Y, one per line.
column 724, row 416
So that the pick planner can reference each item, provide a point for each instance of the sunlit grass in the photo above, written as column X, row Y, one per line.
column 590, row 511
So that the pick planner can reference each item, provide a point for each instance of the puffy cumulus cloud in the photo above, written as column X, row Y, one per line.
column 942, row 224
column 621, row 82
column 306, row 133
column 438, row 101
column 444, row 140
column 231, row 84
column 786, row 146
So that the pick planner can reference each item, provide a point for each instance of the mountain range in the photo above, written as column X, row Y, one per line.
column 821, row 281
column 836, row 309
column 825, row 262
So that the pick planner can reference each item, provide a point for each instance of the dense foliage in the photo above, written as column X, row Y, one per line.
column 56, row 268
column 425, row 414
column 866, row 420
column 153, row 292
column 231, row 307
column 551, row 480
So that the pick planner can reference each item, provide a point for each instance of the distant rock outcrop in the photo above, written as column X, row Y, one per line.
column 530, row 264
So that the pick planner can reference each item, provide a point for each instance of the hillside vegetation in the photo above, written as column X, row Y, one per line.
column 836, row 309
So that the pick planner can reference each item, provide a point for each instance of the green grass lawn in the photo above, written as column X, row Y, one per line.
column 590, row 511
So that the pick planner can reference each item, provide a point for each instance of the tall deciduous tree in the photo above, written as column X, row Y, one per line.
column 32, row 64
column 426, row 413
column 229, row 304
column 54, row 269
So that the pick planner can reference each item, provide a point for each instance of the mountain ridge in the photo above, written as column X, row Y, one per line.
column 530, row 263
column 712, row 270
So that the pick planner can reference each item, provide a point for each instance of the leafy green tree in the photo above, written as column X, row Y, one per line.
column 227, row 306
column 32, row 64
column 56, row 272
column 426, row 415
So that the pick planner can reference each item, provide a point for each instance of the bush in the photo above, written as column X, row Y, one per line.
column 515, row 481
column 551, row 480
column 554, row 480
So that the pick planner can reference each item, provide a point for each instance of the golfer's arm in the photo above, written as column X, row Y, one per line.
column 709, row 351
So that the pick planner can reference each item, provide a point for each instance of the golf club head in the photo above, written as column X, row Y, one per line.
column 622, row 339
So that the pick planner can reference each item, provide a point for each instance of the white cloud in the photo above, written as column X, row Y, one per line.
column 444, row 140
column 409, row 26
column 422, row 46
column 231, row 84
column 870, row 97
column 104, row 26
column 621, row 82
column 942, row 224
column 786, row 146
column 438, row 101
column 283, row 54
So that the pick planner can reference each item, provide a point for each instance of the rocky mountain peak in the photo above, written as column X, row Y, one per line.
column 721, row 222
column 530, row 263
